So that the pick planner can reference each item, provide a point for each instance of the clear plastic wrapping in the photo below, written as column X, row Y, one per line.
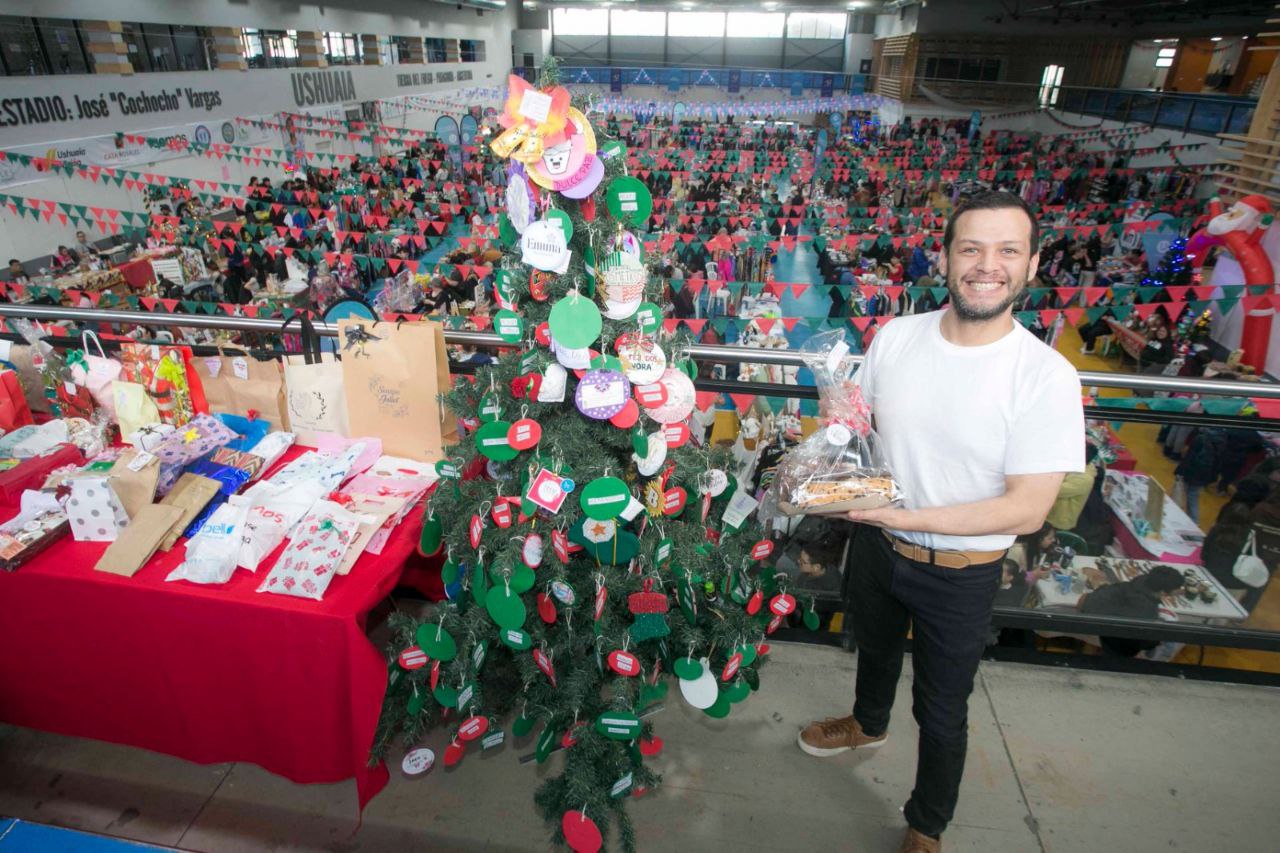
column 840, row 466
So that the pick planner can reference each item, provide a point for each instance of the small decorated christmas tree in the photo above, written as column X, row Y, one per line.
column 592, row 548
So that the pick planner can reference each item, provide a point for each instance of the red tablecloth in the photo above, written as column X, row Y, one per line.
column 137, row 274
column 205, row 673
column 1133, row 549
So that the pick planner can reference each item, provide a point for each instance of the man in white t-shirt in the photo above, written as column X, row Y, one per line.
column 979, row 422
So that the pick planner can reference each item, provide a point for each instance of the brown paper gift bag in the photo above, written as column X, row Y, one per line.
column 135, row 488
column 392, row 374
column 237, row 384
column 137, row 542
column 190, row 494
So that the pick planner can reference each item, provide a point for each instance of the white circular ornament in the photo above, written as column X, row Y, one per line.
column 563, row 593
column 520, row 206
column 622, row 310
column 652, row 461
column 418, row 761
column 643, row 361
column 543, row 246
column 680, row 398
column 531, row 551
column 717, row 481
column 624, row 278
column 599, row 531
column 701, row 692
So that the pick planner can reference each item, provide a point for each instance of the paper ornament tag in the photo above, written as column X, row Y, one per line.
column 673, row 501
column 501, row 514
column 643, row 361
column 811, row 620
column 436, row 642
column 652, row 461
column 490, row 408
column 580, row 832
column 761, row 549
column 508, row 325
column 435, row 675
column 575, row 322
column 560, row 546
column 546, row 608
column 531, row 551
column 633, row 509
column 432, row 536
column 522, row 726
column 543, row 246
column 445, row 695
column 700, row 692
column 505, row 607
column 577, row 360
column 676, row 434
column 516, row 639
column 602, row 595
column 719, row 708
column 618, row 725
column 731, row 668
column 554, row 381
column 602, row 394
column 570, row 737
column 539, row 281
column 651, row 395
column 492, row 441
column 621, row 787
column 626, row 418
column 715, row 482
column 560, row 220
column 737, row 691
column 563, row 593
column 688, row 669
column 741, row 505
column 651, row 746
column 629, row 200
column 417, row 761
column 453, row 754
column 520, row 204
column 782, row 604
column 543, row 663
column 755, row 602
column 547, row 490
column 773, row 625
column 413, row 658
column 474, row 530
column 649, row 316
column 494, row 738
column 542, row 334
column 624, row 663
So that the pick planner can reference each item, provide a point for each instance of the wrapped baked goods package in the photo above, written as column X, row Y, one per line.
column 840, row 466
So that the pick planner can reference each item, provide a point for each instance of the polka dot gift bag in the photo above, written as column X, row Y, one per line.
column 95, row 512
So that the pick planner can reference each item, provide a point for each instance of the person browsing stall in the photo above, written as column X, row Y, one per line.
column 979, row 422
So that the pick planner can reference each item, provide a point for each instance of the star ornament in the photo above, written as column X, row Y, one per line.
column 600, row 531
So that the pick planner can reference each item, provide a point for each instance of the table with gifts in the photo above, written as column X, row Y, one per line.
column 1179, row 539
column 207, row 672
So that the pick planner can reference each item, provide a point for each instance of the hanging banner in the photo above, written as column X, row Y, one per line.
column 615, row 79
column 735, row 81
column 827, row 86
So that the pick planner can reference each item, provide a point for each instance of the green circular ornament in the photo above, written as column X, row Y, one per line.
column 416, row 701
column 811, row 620
column 490, row 409
column 604, row 498
column 613, row 148
column 449, row 573
column 720, row 708
column 509, row 325
column 649, row 316
column 604, row 361
column 505, row 607
column 546, row 743
column 560, row 218
column 575, row 321
column 629, row 200
column 446, row 695
column 447, row 470
column 516, row 639
column 651, row 693
column 522, row 726
column 432, row 536
column 748, row 653
column 688, row 367
column 737, row 691
column 479, row 585
column 688, row 668
column 506, row 286
column 640, row 442
column 619, row 725
column 522, row 579
column 507, row 232
column 436, row 642
column 492, row 441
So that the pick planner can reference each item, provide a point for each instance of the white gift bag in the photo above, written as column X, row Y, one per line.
column 96, row 513
column 314, row 553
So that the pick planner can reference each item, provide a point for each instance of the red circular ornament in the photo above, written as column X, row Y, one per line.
column 624, row 663
column 542, row 334
column 762, row 649
column 546, row 608
column 472, row 727
column 435, row 674
column 773, row 624
column 453, row 754
column 754, row 602
column 413, row 658
column 673, row 501
column 627, row 417
column 651, row 746
column 524, row 434
column 650, row 396
column 474, row 530
column 782, row 604
column 602, row 595
column 731, row 668
column 501, row 514
column 676, row 434
column 580, row 832
column 571, row 736
column 761, row 549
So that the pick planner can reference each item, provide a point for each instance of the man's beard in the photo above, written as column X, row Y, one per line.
column 972, row 313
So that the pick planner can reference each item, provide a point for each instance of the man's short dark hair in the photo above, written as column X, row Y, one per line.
column 991, row 200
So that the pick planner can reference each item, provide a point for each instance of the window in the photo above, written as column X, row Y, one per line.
column 759, row 25
column 1050, row 82
column 580, row 22
column 20, row 46
column 281, row 47
column 471, row 50
column 251, row 43
column 816, row 25
column 950, row 68
column 436, row 51
column 158, row 41
column 635, row 22
column 1164, row 56
column 701, row 24
column 403, row 48
column 62, row 46
column 189, row 44
column 342, row 48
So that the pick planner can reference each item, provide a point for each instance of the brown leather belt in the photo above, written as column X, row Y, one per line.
column 945, row 559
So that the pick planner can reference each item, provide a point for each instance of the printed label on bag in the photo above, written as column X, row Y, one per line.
column 240, row 367
column 214, row 366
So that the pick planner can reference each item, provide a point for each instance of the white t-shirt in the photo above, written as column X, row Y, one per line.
column 954, row 421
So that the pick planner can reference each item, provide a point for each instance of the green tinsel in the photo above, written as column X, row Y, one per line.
column 509, row 681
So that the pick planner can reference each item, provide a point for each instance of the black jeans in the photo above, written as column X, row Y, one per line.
column 950, row 611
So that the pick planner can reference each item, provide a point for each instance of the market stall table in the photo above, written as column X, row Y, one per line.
column 206, row 673
column 137, row 273
column 1180, row 540
column 1063, row 590
column 1131, row 341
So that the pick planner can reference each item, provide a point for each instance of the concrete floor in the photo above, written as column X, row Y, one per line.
column 1058, row 761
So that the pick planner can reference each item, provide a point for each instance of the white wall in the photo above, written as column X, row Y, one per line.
column 897, row 23
column 1140, row 70
column 537, row 42
column 857, row 46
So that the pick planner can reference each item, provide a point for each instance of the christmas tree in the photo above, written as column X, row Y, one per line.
column 592, row 548
column 1173, row 269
